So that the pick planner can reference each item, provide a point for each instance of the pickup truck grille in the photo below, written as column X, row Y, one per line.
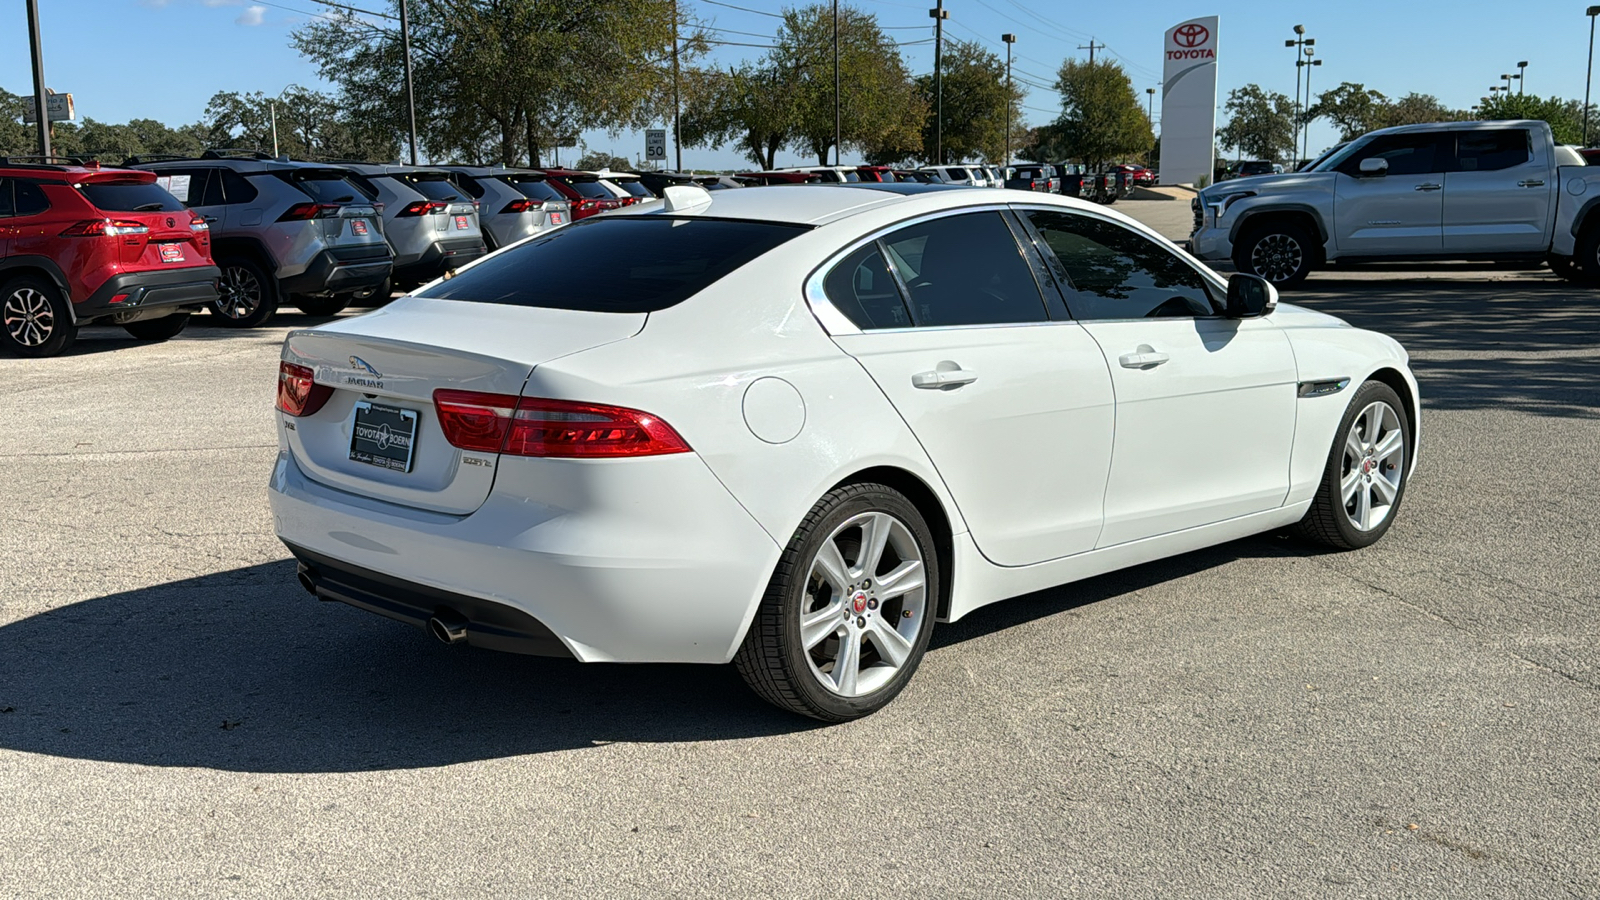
column 1199, row 216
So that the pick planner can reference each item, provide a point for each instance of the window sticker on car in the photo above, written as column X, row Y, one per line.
column 176, row 185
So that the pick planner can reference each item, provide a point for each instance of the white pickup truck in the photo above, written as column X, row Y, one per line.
column 1452, row 191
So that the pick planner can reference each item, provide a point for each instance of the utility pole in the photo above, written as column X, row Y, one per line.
column 1522, row 77
column 677, row 131
column 42, row 113
column 411, row 97
column 1588, row 78
column 272, row 110
column 1091, row 48
column 836, row 119
column 939, row 14
column 1009, row 39
column 1308, row 62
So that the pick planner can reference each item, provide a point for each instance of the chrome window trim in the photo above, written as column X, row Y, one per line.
column 837, row 323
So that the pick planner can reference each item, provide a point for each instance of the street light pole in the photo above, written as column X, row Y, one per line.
column 1300, row 40
column 411, row 97
column 939, row 14
column 677, row 130
column 1305, row 135
column 41, row 110
column 1589, row 77
column 1009, row 40
column 1522, row 78
column 837, row 129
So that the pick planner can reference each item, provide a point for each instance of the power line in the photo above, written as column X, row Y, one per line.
column 759, row 12
column 354, row 9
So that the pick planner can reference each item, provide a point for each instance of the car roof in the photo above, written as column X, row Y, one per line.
column 1475, row 125
column 819, row 204
column 384, row 168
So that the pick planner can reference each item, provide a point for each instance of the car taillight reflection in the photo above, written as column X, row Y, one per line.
column 298, row 392
column 532, row 426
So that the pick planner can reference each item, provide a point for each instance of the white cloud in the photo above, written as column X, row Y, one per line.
column 154, row 4
column 252, row 16
column 216, row 3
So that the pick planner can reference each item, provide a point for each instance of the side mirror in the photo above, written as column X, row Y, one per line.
column 1373, row 167
column 1250, row 297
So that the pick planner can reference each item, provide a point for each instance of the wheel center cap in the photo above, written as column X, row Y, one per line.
column 859, row 601
column 1368, row 464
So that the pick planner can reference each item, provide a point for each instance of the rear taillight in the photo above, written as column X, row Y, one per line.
column 423, row 208
column 198, row 223
column 521, row 206
column 103, row 227
column 530, row 426
column 303, row 211
column 298, row 392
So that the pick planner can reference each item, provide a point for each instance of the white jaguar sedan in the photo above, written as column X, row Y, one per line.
column 795, row 427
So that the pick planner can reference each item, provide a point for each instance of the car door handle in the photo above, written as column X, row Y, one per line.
column 947, row 374
column 1146, row 357
column 210, row 219
column 1531, row 183
column 1430, row 186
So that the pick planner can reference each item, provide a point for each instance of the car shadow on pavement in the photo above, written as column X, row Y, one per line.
column 241, row 671
column 1530, row 345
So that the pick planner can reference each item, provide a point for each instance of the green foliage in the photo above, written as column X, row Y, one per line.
column 751, row 106
column 595, row 160
column 975, row 104
column 310, row 125
column 501, row 80
column 1260, row 123
column 1101, row 118
column 1419, row 109
column 1565, row 116
column 1353, row 108
column 878, row 109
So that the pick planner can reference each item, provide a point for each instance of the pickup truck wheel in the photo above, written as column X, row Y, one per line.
column 1587, row 255
column 1280, row 253
column 1567, row 268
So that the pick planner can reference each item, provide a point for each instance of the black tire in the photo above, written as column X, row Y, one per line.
column 1567, row 268
column 773, row 659
column 1282, row 252
column 323, row 306
column 156, row 330
column 36, row 319
column 1586, row 256
column 248, row 297
column 1329, row 520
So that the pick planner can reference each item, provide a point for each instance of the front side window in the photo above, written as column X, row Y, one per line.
column 1486, row 151
column 1408, row 154
column 965, row 270
column 1114, row 272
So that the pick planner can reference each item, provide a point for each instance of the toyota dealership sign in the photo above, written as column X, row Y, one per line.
column 1189, row 101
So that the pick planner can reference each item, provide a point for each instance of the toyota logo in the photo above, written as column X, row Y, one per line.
column 171, row 221
column 1191, row 35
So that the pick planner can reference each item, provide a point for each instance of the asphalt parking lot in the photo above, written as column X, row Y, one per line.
column 1418, row 719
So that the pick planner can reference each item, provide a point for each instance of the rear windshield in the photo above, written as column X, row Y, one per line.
column 434, row 187
column 326, row 187
column 594, row 190
column 131, row 197
column 653, row 262
column 633, row 187
column 535, row 189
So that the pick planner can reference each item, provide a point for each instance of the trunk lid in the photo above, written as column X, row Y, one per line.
column 396, row 357
column 130, row 198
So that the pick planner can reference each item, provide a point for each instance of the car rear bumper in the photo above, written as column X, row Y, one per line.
column 636, row 560
column 343, row 269
column 189, row 286
column 440, row 257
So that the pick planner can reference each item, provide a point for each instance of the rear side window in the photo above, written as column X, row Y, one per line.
column 235, row 187
column 130, row 197
column 467, row 183
column 633, row 187
column 965, row 270
column 861, row 287
column 652, row 263
column 30, row 199
column 957, row 174
column 1486, row 151
column 536, row 189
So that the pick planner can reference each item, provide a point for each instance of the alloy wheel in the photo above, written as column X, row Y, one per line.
column 1374, row 463
column 28, row 317
column 1276, row 257
column 865, row 604
column 241, row 293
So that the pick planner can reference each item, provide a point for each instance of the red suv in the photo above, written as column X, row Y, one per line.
column 81, row 244
column 585, row 193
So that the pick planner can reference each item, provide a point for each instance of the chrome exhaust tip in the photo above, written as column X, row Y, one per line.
column 448, row 626
column 307, row 579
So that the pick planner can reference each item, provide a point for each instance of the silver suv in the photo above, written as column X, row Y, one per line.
column 280, row 231
column 512, row 203
column 432, row 224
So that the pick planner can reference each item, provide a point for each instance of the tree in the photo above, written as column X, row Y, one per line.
column 1352, row 108
column 502, row 79
column 878, row 108
column 1565, row 116
column 751, row 106
column 1101, row 119
column 1418, row 109
column 310, row 125
column 595, row 160
column 975, row 104
column 1260, row 123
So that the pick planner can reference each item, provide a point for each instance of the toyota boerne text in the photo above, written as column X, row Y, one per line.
column 793, row 429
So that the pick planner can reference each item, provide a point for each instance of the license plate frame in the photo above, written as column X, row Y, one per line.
column 358, row 227
column 463, row 223
column 384, row 436
column 171, row 253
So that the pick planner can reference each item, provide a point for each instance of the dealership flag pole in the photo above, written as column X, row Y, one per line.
column 38, row 79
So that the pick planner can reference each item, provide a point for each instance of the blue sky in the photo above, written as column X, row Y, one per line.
column 163, row 59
